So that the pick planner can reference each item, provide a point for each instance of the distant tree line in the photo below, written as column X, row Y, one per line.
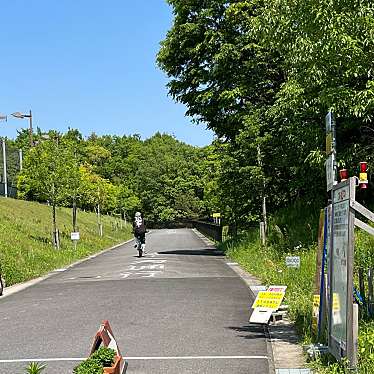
column 162, row 177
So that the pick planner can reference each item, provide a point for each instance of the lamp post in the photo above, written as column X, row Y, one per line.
column 23, row 116
column 4, row 118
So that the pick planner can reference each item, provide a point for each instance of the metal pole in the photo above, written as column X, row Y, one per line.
column 4, row 169
column 30, row 130
column 20, row 159
column 263, row 197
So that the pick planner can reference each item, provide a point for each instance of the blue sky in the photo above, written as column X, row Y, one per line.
column 89, row 64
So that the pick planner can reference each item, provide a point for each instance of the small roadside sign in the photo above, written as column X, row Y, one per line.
column 216, row 215
column 329, row 122
column 75, row 236
column 293, row 261
column 330, row 172
column 266, row 303
column 315, row 315
column 329, row 143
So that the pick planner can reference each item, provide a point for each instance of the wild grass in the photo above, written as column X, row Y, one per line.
column 293, row 231
column 26, row 249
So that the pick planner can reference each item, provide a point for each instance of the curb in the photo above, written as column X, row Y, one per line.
column 22, row 286
column 275, row 342
column 281, row 338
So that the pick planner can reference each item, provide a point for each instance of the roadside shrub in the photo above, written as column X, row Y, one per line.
column 89, row 366
column 103, row 357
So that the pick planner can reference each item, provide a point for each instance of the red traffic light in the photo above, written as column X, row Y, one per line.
column 363, row 167
column 363, row 179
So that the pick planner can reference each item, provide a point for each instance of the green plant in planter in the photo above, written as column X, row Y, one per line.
column 103, row 357
column 35, row 368
column 89, row 366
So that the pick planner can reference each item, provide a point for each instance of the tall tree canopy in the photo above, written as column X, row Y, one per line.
column 262, row 75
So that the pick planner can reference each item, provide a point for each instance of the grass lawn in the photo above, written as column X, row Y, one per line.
column 26, row 250
column 294, row 232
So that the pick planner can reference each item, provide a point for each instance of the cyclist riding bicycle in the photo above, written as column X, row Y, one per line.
column 139, row 233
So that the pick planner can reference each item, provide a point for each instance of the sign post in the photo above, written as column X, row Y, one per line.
column 217, row 218
column 331, row 167
column 75, row 236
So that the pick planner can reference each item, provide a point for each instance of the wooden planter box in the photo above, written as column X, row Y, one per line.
column 115, row 369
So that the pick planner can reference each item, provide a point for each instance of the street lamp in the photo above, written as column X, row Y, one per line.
column 23, row 116
column 4, row 118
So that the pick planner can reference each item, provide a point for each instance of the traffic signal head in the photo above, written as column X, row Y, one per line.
column 363, row 179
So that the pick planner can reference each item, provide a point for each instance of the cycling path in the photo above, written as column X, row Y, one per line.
column 180, row 309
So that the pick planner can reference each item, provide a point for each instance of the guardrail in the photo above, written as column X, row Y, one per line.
column 209, row 229
column 12, row 191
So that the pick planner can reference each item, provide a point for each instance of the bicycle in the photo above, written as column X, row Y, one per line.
column 140, row 246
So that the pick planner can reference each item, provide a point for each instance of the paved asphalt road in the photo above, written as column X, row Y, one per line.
column 181, row 309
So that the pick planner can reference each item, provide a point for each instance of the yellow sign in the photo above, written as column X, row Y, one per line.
column 316, row 300
column 328, row 143
column 216, row 215
column 271, row 300
column 336, row 302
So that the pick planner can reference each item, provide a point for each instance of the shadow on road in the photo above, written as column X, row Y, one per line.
column 193, row 252
column 251, row 331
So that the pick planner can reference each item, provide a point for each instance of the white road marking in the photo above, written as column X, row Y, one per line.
column 161, row 358
column 146, row 267
column 151, row 261
column 148, row 274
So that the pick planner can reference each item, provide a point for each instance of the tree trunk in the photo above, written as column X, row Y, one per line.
column 99, row 221
column 56, row 242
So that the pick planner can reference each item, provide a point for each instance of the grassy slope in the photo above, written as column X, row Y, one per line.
column 293, row 231
column 25, row 238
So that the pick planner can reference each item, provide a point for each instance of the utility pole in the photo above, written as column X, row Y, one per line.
column 4, row 169
column 263, row 195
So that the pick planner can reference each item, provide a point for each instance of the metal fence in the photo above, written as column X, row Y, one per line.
column 209, row 229
column 12, row 191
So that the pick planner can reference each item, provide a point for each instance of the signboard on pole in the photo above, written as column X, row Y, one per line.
column 75, row 236
column 266, row 303
column 293, row 261
column 341, row 342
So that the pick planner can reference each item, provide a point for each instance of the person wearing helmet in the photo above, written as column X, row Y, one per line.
column 139, row 233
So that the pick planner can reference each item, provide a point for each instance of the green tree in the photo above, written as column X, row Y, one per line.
column 49, row 169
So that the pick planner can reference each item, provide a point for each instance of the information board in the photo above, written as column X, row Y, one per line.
column 340, row 329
